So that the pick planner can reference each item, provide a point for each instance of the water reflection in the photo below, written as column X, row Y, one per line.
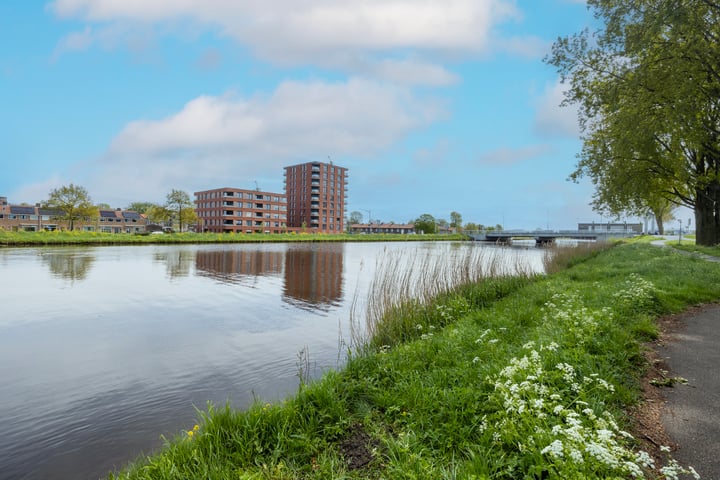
column 178, row 262
column 75, row 266
column 234, row 266
column 313, row 276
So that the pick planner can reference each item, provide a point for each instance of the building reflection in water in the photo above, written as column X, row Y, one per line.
column 314, row 274
column 233, row 266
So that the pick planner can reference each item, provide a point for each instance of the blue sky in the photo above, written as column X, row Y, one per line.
column 433, row 105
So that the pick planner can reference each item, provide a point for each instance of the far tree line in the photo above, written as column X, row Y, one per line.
column 426, row 223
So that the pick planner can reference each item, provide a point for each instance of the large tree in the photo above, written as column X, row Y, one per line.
column 72, row 202
column 182, row 207
column 456, row 221
column 355, row 217
column 425, row 223
column 647, row 84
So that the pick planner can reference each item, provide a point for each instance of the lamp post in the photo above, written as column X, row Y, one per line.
column 679, row 232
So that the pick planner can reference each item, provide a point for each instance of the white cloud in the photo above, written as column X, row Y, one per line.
column 510, row 156
column 314, row 24
column 553, row 120
column 230, row 139
column 328, row 33
column 355, row 117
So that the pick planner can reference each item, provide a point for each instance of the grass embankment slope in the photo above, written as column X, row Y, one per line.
column 8, row 238
column 505, row 378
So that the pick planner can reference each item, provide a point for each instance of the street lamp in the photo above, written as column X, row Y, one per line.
column 680, row 232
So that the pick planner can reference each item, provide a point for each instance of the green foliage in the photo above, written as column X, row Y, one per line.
column 178, row 202
column 72, row 202
column 425, row 223
column 647, row 86
column 158, row 214
column 140, row 207
column 355, row 218
column 456, row 221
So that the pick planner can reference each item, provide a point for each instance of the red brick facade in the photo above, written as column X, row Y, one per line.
column 234, row 210
column 316, row 195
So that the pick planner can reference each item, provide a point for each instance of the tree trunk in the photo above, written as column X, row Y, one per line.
column 707, row 215
column 660, row 225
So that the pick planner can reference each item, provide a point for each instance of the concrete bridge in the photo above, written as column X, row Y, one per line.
column 546, row 237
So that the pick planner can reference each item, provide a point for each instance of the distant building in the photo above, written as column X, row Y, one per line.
column 383, row 228
column 316, row 194
column 611, row 227
column 36, row 218
column 234, row 210
column 118, row 221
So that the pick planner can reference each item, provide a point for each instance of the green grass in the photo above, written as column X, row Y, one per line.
column 497, row 377
column 8, row 238
column 691, row 247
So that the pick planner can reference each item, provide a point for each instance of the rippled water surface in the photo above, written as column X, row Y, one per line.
column 105, row 349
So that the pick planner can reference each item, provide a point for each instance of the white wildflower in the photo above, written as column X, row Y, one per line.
column 555, row 449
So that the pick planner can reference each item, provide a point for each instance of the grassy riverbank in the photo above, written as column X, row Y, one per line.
column 11, row 239
column 524, row 377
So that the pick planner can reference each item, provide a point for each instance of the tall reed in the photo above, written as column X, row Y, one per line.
column 559, row 258
column 416, row 291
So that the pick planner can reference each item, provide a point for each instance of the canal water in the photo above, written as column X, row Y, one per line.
column 103, row 350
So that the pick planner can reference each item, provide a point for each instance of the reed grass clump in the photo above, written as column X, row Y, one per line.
column 414, row 293
column 559, row 258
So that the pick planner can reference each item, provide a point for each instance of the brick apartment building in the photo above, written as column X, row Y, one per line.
column 234, row 210
column 316, row 194
column 36, row 218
